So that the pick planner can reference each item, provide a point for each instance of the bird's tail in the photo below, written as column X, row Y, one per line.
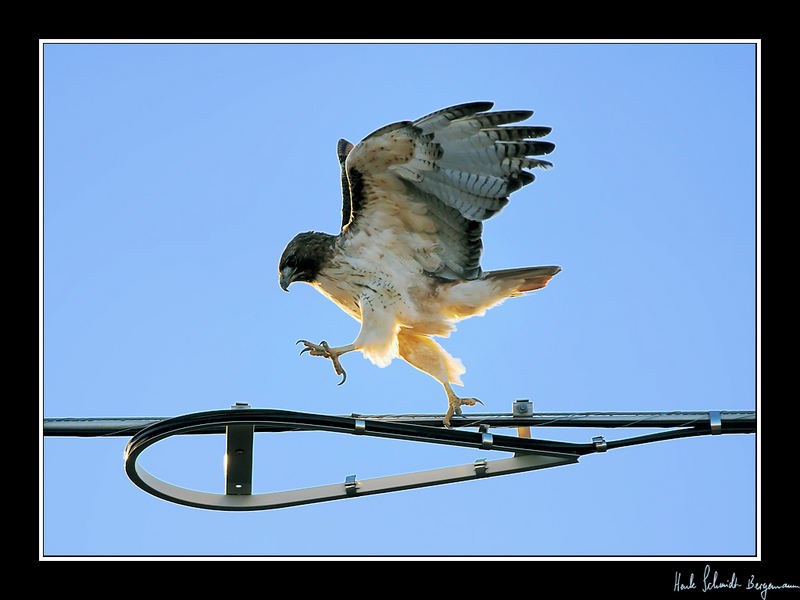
column 474, row 297
column 523, row 279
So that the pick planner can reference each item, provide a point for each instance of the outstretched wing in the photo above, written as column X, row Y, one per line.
column 343, row 148
column 423, row 188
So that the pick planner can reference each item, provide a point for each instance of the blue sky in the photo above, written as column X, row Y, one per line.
column 175, row 174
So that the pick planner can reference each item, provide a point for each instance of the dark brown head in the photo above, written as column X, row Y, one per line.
column 304, row 256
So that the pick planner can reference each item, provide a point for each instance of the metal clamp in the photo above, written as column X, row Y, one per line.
column 522, row 408
column 361, row 426
column 350, row 485
column 600, row 444
column 480, row 466
column 715, row 421
column 487, row 440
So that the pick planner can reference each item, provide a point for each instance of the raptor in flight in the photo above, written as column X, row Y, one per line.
column 406, row 263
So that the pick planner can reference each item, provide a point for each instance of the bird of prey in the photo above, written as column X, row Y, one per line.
column 406, row 263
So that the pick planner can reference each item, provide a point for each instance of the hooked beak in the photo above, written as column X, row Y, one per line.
column 287, row 275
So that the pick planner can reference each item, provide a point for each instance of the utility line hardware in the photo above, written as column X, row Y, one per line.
column 241, row 422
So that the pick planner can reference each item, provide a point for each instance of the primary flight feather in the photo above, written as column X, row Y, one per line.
column 406, row 263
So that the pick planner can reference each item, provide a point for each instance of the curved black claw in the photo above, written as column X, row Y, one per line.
column 307, row 348
column 337, row 366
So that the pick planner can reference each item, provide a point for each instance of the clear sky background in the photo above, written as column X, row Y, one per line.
column 175, row 174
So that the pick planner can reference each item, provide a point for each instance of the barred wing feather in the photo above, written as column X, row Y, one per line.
column 436, row 179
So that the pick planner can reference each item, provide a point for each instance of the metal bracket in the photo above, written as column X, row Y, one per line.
column 522, row 408
column 239, row 456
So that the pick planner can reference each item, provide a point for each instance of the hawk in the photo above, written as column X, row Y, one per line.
column 406, row 262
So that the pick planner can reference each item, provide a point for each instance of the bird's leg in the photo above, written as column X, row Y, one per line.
column 323, row 349
column 454, row 404
column 429, row 357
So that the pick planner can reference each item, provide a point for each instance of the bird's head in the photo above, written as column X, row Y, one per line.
column 303, row 257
